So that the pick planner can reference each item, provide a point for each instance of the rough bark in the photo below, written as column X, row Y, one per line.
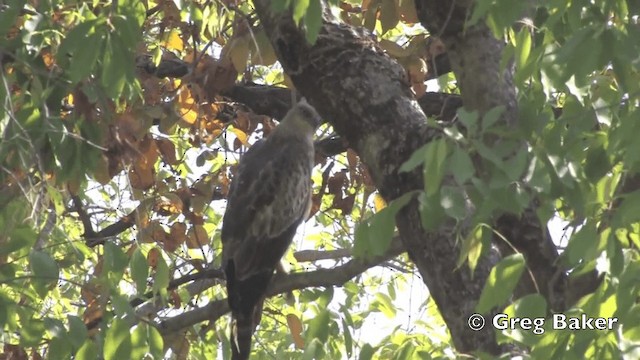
column 475, row 56
column 363, row 93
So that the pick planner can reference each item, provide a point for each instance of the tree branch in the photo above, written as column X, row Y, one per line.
column 283, row 283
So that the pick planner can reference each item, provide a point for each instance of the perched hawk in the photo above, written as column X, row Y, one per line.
column 269, row 197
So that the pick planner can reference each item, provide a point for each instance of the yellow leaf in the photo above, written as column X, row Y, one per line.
column 241, row 135
column 295, row 326
column 188, row 109
column 379, row 202
column 174, row 42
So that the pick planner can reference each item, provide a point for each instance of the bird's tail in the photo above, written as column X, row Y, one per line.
column 243, row 327
column 245, row 300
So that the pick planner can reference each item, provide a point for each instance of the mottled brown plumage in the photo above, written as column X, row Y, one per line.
column 269, row 197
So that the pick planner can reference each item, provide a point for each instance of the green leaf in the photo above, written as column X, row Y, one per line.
column 88, row 351
column 278, row 6
column 584, row 246
column 77, row 331
column 461, row 165
column 472, row 246
column 348, row 340
column 156, row 343
column 500, row 284
column 491, row 117
column 45, row 271
column 86, row 56
column 43, row 266
column 319, row 327
column 139, row 270
column 383, row 303
column 60, row 346
column 161, row 278
column 597, row 164
column 22, row 237
column 8, row 16
column 313, row 21
column 406, row 351
column 115, row 261
column 533, row 306
column 114, row 63
column 523, row 47
column 366, row 352
column 469, row 119
column 117, row 342
column 31, row 332
column 139, row 346
column 453, row 202
column 381, row 228
column 299, row 10
column 434, row 165
column 75, row 39
column 416, row 159
column 431, row 212
column 361, row 242
column 373, row 236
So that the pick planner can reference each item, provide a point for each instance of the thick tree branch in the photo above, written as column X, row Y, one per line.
column 283, row 283
column 363, row 93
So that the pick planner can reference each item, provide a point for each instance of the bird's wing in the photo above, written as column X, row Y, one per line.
column 269, row 196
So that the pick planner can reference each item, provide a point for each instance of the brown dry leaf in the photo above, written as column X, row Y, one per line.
column 407, row 11
column 345, row 205
column 417, row 69
column 153, row 256
column 179, row 345
column 217, row 76
column 288, row 82
column 89, row 292
column 419, row 89
column 177, row 234
column 337, row 182
column 13, row 352
column 131, row 249
column 148, row 152
column 141, row 179
column 168, row 204
column 242, row 121
column 239, row 53
column 175, row 299
column 393, row 49
column 199, row 203
column 48, row 59
column 316, row 201
column 101, row 173
column 167, row 150
column 388, row 15
column 197, row 237
column 145, row 235
column 295, row 326
column 93, row 312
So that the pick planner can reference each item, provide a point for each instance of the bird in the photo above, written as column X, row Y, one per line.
column 269, row 197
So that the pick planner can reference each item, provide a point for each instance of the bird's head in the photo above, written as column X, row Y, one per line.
column 302, row 117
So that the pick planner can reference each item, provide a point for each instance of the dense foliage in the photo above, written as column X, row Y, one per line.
column 119, row 137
